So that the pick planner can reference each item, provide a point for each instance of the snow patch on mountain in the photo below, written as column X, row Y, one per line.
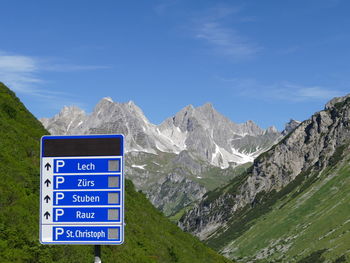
column 203, row 131
column 142, row 167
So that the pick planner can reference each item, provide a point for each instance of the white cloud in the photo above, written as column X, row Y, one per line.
column 23, row 74
column 222, row 36
column 15, row 63
column 215, row 27
column 314, row 92
column 285, row 91
column 226, row 41
column 19, row 72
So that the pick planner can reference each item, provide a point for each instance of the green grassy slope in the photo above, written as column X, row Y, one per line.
column 311, row 223
column 162, row 165
column 149, row 237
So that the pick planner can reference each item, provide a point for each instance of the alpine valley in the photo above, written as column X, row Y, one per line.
column 253, row 195
column 292, row 204
column 177, row 162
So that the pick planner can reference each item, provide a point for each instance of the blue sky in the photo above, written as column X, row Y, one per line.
column 266, row 61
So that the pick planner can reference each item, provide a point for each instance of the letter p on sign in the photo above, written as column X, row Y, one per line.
column 59, row 164
column 58, row 232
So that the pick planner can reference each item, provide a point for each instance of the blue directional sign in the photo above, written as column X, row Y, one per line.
column 82, row 189
column 89, row 165
column 101, row 181
column 97, row 214
column 65, row 182
column 83, row 198
column 86, row 233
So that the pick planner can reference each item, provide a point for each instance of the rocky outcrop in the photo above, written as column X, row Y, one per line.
column 290, row 126
column 202, row 131
column 185, row 145
column 173, row 192
column 312, row 145
column 216, row 139
column 66, row 121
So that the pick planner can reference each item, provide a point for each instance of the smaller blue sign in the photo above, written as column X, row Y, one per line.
column 97, row 214
column 78, row 198
column 87, row 165
column 66, row 182
column 86, row 233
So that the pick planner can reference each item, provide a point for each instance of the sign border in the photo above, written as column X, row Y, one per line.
column 122, row 189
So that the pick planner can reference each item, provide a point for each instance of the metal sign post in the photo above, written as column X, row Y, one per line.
column 98, row 254
column 82, row 190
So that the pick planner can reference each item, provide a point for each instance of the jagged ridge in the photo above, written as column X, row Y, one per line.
column 187, row 146
column 203, row 131
column 313, row 146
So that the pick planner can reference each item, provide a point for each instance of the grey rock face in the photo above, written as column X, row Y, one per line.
column 174, row 192
column 66, row 121
column 192, row 141
column 334, row 101
column 290, row 126
column 187, row 161
column 214, row 138
column 203, row 131
column 309, row 146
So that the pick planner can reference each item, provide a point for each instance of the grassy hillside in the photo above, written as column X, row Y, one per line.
column 163, row 164
column 149, row 237
column 308, row 221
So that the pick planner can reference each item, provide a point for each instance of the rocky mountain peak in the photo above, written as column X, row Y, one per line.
column 251, row 128
column 106, row 108
column 71, row 110
column 205, row 132
column 186, row 111
column 271, row 129
column 64, row 122
column 207, row 107
column 104, row 101
column 131, row 104
column 109, row 99
column 336, row 100
column 290, row 126
column 311, row 146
